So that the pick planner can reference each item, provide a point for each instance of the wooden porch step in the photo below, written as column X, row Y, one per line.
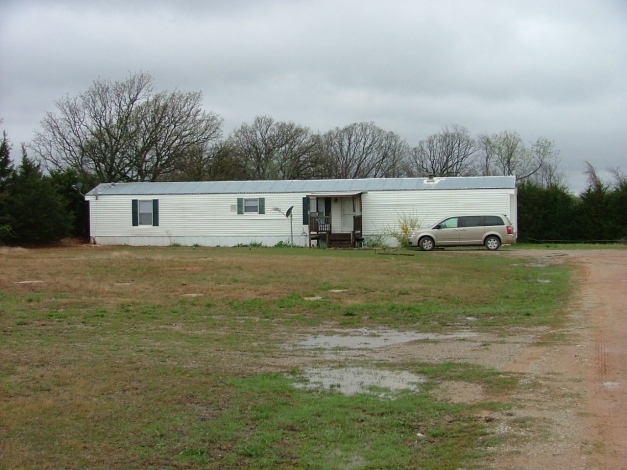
column 340, row 240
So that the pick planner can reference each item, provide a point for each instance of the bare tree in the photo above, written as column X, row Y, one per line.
column 595, row 183
column 451, row 152
column 506, row 154
column 275, row 150
column 214, row 163
column 363, row 150
column 171, row 126
column 549, row 174
column 122, row 131
column 620, row 177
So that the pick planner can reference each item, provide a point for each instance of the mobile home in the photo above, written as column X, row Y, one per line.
column 323, row 212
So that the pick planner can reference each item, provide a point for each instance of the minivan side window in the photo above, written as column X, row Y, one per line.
column 492, row 220
column 470, row 221
column 449, row 223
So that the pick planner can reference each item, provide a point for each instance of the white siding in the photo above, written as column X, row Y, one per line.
column 513, row 204
column 212, row 219
column 383, row 209
column 201, row 219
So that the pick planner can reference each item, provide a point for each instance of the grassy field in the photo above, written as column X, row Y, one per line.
column 120, row 357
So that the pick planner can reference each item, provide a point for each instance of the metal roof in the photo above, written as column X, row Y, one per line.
column 304, row 186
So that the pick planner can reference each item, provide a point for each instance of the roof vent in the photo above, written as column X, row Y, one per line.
column 431, row 180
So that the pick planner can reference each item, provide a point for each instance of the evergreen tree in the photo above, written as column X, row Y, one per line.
column 594, row 209
column 6, row 173
column 70, row 187
column 617, row 209
column 546, row 213
column 36, row 212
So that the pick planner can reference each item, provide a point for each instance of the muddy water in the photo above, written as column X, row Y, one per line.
column 354, row 380
column 364, row 338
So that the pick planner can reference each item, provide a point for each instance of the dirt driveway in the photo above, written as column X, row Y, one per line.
column 571, row 406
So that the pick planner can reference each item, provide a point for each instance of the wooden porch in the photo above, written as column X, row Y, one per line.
column 320, row 229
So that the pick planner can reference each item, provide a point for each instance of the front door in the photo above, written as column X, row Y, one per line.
column 348, row 211
column 448, row 233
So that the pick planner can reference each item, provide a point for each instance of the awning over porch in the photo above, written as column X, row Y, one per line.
column 336, row 194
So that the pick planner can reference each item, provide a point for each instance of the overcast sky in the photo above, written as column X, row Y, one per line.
column 550, row 68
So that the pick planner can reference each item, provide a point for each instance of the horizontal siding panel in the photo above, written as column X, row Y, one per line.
column 299, row 240
column 383, row 210
column 187, row 216
column 207, row 219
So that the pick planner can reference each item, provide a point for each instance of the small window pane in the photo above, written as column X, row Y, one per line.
column 145, row 212
column 251, row 205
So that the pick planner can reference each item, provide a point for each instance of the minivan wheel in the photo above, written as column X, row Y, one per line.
column 492, row 243
column 427, row 244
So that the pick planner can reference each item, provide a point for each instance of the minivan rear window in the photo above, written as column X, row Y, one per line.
column 492, row 220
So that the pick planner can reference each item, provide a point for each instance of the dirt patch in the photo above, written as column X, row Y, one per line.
column 571, row 405
column 485, row 349
column 461, row 392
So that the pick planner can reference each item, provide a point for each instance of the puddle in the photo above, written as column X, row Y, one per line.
column 29, row 282
column 544, row 281
column 354, row 380
column 312, row 298
column 337, row 291
column 192, row 295
column 364, row 338
column 122, row 283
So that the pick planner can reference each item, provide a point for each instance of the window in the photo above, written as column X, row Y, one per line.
column 251, row 205
column 145, row 212
column 490, row 220
column 449, row 223
column 470, row 221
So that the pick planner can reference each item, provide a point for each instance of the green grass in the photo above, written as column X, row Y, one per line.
column 171, row 358
column 570, row 246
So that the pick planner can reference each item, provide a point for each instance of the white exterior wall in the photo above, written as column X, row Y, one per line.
column 203, row 219
column 382, row 209
column 212, row 219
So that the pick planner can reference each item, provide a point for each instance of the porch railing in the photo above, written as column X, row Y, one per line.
column 320, row 229
column 319, row 224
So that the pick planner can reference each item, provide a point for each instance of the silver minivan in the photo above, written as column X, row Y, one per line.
column 490, row 230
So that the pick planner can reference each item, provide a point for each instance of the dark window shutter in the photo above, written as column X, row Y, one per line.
column 305, row 211
column 135, row 209
column 155, row 212
column 327, row 206
column 262, row 205
column 240, row 205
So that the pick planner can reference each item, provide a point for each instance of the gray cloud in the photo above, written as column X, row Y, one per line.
column 553, row 69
